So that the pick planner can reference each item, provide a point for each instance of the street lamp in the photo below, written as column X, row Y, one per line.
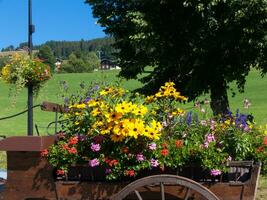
column 30, row 87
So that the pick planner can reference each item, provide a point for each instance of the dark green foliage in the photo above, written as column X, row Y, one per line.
column 200, row 45
column 9, row 48
column 62, row 49
column 3, row 61
column 46, row 55
column 79, row 62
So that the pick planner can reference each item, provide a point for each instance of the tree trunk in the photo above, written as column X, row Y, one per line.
column 219, row 99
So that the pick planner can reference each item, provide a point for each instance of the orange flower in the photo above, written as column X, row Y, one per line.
column 73, row 140
column 130, row 173
column 164, row 152
column 179, row 143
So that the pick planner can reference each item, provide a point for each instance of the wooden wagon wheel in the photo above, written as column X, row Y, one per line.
column 163, row 180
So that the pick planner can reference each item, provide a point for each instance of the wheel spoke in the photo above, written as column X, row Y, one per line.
column 162, row 191
column 138, row 195
column 187, row 193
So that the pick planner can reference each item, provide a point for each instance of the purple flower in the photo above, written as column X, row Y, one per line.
column 87, row 99
column 95, row 147
column 215, row 172
column 154, row 162
column 94, row 162
column 82, row 137
column 189, row 118
column 108, row 171
column 140, row 157
column 152, row 146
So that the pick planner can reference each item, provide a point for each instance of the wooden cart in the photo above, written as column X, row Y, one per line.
column 30, row 177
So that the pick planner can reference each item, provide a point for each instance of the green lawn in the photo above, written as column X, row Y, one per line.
column 255, row 91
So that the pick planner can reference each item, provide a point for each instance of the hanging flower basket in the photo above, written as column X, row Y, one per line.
column 23, row 71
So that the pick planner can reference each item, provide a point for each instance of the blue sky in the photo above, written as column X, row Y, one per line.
column 53, row 19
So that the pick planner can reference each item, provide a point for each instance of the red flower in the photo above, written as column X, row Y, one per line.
column 125, row 149
column 164, row 152
column 72, row 150
column 130, row 173
column 113, row 163
column 44, row 153
column 73, row 140
column 260, row 149
column 164, row 145
column 66, row 147
column 179, row 143
column 265, row 140
column 60, row 172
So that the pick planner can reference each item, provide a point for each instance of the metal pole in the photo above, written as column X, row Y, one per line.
column 30, row 87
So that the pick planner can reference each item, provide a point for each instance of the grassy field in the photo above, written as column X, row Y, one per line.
column 255, row 91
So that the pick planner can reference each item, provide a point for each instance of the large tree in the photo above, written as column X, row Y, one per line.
column 46, row 54
column 201, row 45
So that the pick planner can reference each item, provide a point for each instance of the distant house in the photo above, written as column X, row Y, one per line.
column 107, row 64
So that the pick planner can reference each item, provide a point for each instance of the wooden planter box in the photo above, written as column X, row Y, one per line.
column 30, row 177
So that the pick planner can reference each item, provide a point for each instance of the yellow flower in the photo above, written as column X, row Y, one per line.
column 113, row 116
column 150, row 99
column 141, row 110
column 5, row 72
column 117, row 138
column 81, row 106
column 156, row 125
column 136, row 128
column 95, row 112
column 93, row 102
column 178, row 112
column 124, row 107
column 106, row 91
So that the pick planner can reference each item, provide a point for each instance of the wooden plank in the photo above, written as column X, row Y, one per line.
column 53, row 107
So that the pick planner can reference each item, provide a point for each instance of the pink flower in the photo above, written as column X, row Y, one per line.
column 152, row 146
column 215, row 172
column 140, row 157
column 94, row 162
column 154, row 162
column 208, row 139
column 95, row 147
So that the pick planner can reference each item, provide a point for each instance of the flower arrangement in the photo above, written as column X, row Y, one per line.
column 127, row 133
column 23, row 71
